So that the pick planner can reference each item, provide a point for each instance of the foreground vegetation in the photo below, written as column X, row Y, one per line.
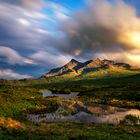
column 70, row 131
column 116, row 90
column 17, row 98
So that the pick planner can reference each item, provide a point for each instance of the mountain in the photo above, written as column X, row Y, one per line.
column 68, row 68
column 75, row 68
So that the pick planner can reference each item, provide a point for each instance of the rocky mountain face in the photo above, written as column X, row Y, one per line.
column 77, row 68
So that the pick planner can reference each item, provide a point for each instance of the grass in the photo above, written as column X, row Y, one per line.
column 91, row 131
column 15, row 101
column 72, row 131
column 130, row 119
column 20, row 97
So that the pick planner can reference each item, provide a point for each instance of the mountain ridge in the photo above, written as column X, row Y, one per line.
column 74, row 67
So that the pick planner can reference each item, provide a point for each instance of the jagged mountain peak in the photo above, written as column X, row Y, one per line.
column 73, row 61
column 97, row 60
column 93, row 63
column 67, row 68
column 75, row 67
column 71, row 64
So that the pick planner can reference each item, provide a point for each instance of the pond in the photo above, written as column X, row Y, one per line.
column 83, row 117
column 83, row 112
column 48, row 93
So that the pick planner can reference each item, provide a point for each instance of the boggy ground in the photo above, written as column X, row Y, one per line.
column 84, row 112
column 18, row 98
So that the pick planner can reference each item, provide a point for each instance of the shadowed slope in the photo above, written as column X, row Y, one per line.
column 75, row 68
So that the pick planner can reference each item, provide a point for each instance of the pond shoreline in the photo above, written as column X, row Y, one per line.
column 80, row 112
column 48, row 93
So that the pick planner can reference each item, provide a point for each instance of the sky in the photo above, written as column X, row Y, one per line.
column 38, row 35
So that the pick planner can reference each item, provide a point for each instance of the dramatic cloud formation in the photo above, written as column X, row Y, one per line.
column 37, row 35
column 103, row 27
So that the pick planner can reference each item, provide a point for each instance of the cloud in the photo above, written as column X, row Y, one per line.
column 60, row 12
column 39, row 39
column 52, row 59
column 134, row 58
column 19, row 27
column 24, row 22
column 22, row 31
column 9, row 74
column 16, row 2
column 102, row 27
column 26, row 31
column 32, row 4
column 11, row 56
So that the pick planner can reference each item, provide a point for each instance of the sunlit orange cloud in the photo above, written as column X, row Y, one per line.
column 134, row 59
column 130, row 38
column 130, row 58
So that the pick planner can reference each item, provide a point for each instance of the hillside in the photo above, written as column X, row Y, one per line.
column 90, row 68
